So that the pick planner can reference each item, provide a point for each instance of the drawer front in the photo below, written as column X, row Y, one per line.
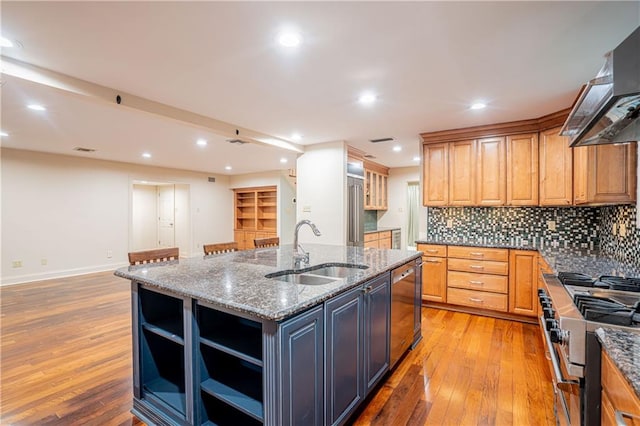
column 384, row 243
column 371, row 236
column 384, row 234
column 477, row 299
column 484, row 282
column 433, row 250
column 478, row 266
column 371, row 244
column 479, row 253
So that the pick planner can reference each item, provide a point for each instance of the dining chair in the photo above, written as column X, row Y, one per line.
column 220, row 248
column 266, row 242
column 153, row 256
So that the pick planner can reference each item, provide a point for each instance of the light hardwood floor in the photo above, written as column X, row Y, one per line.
column 66, row 360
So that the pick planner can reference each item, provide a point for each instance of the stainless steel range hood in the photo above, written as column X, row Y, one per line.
column 607, row 110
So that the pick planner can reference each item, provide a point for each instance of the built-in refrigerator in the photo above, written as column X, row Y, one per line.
column 355, row 212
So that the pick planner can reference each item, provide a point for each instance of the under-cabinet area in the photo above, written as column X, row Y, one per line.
column 198, row 362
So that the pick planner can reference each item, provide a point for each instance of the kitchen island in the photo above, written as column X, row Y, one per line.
column 216, row 342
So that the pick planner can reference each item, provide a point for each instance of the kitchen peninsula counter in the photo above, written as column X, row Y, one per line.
column 237, row 280
column 588, row 261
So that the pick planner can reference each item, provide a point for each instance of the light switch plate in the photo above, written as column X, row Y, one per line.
column 306, row 209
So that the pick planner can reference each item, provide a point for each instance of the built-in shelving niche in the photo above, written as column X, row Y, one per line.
column 230, row 364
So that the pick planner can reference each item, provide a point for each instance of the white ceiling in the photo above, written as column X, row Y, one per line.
column 426, row 62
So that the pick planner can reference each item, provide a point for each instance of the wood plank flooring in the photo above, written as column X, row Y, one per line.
column 66, row 360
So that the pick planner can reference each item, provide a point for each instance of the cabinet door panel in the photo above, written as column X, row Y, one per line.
column 376, row 335
column 435, row 178
column 556, row 169
column 523, row 283
column 490, row 177
column 462, row 171
column 344, row 355
column 434, row 279
column 302, row 347
column 522, row 170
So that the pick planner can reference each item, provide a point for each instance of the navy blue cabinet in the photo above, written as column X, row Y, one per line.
column 302, row 369
column 417, row 316
column 357, row 346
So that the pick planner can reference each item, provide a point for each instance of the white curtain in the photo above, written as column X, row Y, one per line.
column 413, row 216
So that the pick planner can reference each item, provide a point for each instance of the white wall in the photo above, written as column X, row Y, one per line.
column 322, row 186
column 286, row 192
column 145, row 216
column 71, row 211
column 396, row 215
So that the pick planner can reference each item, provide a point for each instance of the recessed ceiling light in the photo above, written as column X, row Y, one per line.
column 397, row 148
column 367, row 98
column 36, row 107
column 4, row 134
column 478, row 105
column 296, row 137
column 289, row 39
column 5, row 42
column 146, row 155
column 416, row 158
column 283, row 160
column 227, row 167
column 201, row 142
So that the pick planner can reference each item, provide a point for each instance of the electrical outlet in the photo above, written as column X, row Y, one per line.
column 614, row 229
column 622, row 230
column 16, row 264
column 43, row 261
column 109, row 254
column 306, row 209
column 449, row 223
column 551, row 225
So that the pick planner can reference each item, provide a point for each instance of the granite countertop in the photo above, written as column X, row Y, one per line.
column 571, row 259
column 382, row 229
column 236, row 280
column 624, row 349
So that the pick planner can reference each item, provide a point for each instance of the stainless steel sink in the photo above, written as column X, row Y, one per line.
column 304, row 279
column 317, row 274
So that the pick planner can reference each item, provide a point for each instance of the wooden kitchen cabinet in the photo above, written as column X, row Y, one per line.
column 556, row 169
column 605, row 174
column 375, row 184
column 617, row 396
column 435, row 174
column 490, row 172
column 434, row 272
column 523, row 282
column 379, row 240
column 522, row 170
column 462, row 173
column 255, row 214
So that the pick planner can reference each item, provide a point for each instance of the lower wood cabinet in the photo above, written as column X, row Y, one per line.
column 245, row 238
column 434, row 272
column 380, row 240
column 523, row 282
column 620, row 404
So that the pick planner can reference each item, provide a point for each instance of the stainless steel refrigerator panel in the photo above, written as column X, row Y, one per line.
column 355, row 219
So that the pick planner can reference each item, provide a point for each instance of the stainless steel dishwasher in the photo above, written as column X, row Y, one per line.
column 403, row 291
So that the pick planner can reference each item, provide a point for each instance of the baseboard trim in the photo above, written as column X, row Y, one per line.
column 28, row 278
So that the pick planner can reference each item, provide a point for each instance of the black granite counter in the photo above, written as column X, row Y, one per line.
column 624, row 349
column 574, row 259
column 237, row 280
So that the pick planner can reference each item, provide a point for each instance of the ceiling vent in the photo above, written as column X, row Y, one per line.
column 380, row 140
column 237, row 141
column 81, row 149
column 369, row 156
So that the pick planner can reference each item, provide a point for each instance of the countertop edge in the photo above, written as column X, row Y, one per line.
column 616, row 344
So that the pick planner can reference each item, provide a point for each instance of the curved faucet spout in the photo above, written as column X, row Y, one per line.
column 298, row 252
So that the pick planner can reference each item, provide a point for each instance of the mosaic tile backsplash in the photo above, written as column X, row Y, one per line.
column 526, row 226
column 624, row 249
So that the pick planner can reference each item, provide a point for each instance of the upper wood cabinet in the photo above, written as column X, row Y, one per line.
column 556, row 169
column 522, row 170
column 435, row 174
column 490, row 172
column 375, row 183
column 605, row 174
column 462, row 173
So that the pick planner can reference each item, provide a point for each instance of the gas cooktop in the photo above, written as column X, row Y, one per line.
column 604, row 282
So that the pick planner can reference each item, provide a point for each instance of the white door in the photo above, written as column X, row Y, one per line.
column 166, row 216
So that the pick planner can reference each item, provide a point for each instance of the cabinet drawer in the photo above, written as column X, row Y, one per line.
column 371, row 244
column 371, row 236
column 477, row 299
column 384, row 234
column 479, row 253
column 619, row 392
column 384, row 243
column 433, row 250
column 484, row 282
column 478, row 266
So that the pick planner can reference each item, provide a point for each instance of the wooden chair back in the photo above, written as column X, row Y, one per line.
column 266, row 242
column 220, row 248
column 153, row 256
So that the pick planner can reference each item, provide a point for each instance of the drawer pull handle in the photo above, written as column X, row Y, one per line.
column 431, row 251
column 621, row 415
column 476, row 282
column 475, row 253
column 432, row 261
column 473, row 299
column 477, row 267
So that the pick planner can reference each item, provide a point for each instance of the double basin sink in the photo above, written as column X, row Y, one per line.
column 317, row 274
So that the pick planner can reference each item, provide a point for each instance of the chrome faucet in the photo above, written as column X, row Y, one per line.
column 298, row 252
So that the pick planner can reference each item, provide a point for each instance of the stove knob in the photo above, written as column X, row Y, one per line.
column 541, row 292
column 546, row 303
column 550, row 324
column 557, row 335
column 547, row 313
